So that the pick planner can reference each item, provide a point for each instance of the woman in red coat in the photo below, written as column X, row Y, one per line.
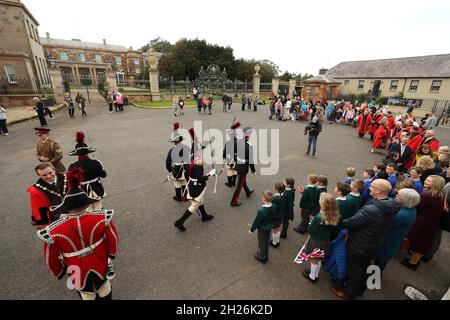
column 429, row 212
column 364, row 121
column 381, row 136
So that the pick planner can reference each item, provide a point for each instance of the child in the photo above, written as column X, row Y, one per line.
column 264, row 225
column 416, row 173
column 210, row 104
column 319, row 232
column 350, row 172
column 181, row 106
column 3, row 128
column 342, row 190
column 288, row 202
column 308, row 203
column 277, row 202
column 322, row 184
column 378, row 168
column 368, row 179
column 391, row 170
column 354, row 199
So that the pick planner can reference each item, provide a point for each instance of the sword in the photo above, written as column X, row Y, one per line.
column 215, row 183
column 167, row 179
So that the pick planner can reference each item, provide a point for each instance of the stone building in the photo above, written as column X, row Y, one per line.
column 320, row 87
column 86, row 62
column 23, row 67
column 416, row 78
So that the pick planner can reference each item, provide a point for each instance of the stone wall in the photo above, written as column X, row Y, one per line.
column 12, row 101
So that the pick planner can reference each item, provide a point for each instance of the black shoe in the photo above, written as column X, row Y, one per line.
column 207, row 218
column 263, row 261
column 229, row 185
column 275, row 246
column 238, row 204
column 180, row 226
column 176, row 199
column 307, row 271
column 306, row 275
column 410, row 265
column 425, row 259
column 250, row 193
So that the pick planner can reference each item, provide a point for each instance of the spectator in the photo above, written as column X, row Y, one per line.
column 409, row 198
column 70, row 105
column 47, row 110
column 83, row 105
column 175, row 105
column 314, row 129
column 3, row 128
column 429, row 168
column 366, row 232
column 119, row 101
column 425, row 150
column 426, row 227
column 110, row 102
column 225, row 102
column 181, row 106
column 39, row 107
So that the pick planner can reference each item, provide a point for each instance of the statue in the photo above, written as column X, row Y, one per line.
column 257, row 68
column 152, row 59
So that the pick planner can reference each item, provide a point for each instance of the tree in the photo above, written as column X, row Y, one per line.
column 287, row 76
column 160, row 45
column 269, row 70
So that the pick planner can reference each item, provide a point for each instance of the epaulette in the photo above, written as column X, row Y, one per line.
column 108, row 213
column 45, row 235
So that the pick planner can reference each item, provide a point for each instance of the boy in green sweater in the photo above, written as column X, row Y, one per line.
column 342, row 190
column 288, row 203
column 308, row 203
column 263, row 223
column 354, row 199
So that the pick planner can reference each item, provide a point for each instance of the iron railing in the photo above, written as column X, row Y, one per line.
column 24, row 85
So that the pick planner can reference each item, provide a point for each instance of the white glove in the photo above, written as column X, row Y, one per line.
column 213, row 172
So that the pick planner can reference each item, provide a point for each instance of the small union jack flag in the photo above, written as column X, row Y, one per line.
column 302, row 257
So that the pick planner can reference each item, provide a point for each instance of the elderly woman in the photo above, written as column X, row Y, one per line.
column 409, row 198
column 425, row 150
column 426, row 227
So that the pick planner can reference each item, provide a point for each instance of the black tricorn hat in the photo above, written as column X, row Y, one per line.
column 81, row 148
column 75, row 198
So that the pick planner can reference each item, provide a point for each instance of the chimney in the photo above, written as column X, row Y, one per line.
column 47, row 35
column 104, row 41
column 323, row 71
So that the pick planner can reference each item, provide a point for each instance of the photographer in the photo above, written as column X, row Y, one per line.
column 314, row 129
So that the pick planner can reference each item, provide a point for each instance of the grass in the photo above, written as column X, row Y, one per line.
column 162, row 104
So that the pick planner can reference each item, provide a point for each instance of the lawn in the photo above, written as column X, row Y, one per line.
column 162, row 104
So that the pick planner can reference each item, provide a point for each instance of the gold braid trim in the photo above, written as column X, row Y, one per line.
column 53, row 192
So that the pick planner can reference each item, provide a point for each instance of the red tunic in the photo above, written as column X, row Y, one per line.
column 432, row 142
column 381, row 133
column 67, row 242
column 414, row 145
column 391, row 122
column 363, row 127
column 40, row 208
column 376, row 121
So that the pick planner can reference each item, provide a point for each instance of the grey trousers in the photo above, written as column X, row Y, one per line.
column 263, row 244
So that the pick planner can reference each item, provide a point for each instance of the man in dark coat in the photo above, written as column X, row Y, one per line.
column 243, row 164
column 367, row 229
column 40, row 110
column 401, row 153
column 93, row 170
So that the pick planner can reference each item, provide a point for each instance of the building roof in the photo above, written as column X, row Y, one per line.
column 82, row 45
column 436, row 66
column 322, row 78
column 20, row 4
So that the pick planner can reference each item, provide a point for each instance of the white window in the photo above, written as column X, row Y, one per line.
column 137, row 62
column 63, row 56
column 137, row 70
column 82, row 57
column 361, row 84
column 394, row 85
column 436, row 85
column 414, row 85
column 98, row 58
column 10, row 73
column 118, row 61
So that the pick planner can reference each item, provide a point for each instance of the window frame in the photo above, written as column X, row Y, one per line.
column 13, row 79
column 359, row 85
column 81, row 54
column 61, row 56
column 98, row 60
column 438, row 87
column 391, row 86
column 118, row 58
column 411, row 88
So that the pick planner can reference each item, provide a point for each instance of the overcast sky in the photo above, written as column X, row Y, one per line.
column 298, row 36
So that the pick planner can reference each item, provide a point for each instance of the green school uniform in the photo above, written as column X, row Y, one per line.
column 345, row 211
column 318, row 230
column 310, row 198
column 355, row 203
column 288, row 203
column 277, row 201
column 264, row 218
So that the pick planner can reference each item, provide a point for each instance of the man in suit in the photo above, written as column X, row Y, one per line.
column 401, row 153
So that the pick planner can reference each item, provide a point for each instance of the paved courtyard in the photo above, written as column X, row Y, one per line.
column 209, row 261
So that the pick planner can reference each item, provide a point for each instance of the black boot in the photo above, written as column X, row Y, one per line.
column 234, row 181
column 177, row 194
column 230, row 182
column 205, row 216
column 179, row 223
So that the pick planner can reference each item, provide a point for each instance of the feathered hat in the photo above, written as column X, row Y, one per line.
column 75, row 198
column 232, row 130
column 81, row 148
column 176, row 136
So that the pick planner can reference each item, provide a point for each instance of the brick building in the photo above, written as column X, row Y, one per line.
column 23, row 67
column 86, row 62
column 320, row 87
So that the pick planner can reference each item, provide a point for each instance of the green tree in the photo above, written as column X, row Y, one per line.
column 286, row 76
column 160, row 45
column 269, row 70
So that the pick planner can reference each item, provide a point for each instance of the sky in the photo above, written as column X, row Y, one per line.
column 298, row 36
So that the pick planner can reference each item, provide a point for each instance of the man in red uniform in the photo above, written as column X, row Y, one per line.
column 364, row 121
column 430, row 140
column 376, row 119
column 48, row 191
column 82, row 243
